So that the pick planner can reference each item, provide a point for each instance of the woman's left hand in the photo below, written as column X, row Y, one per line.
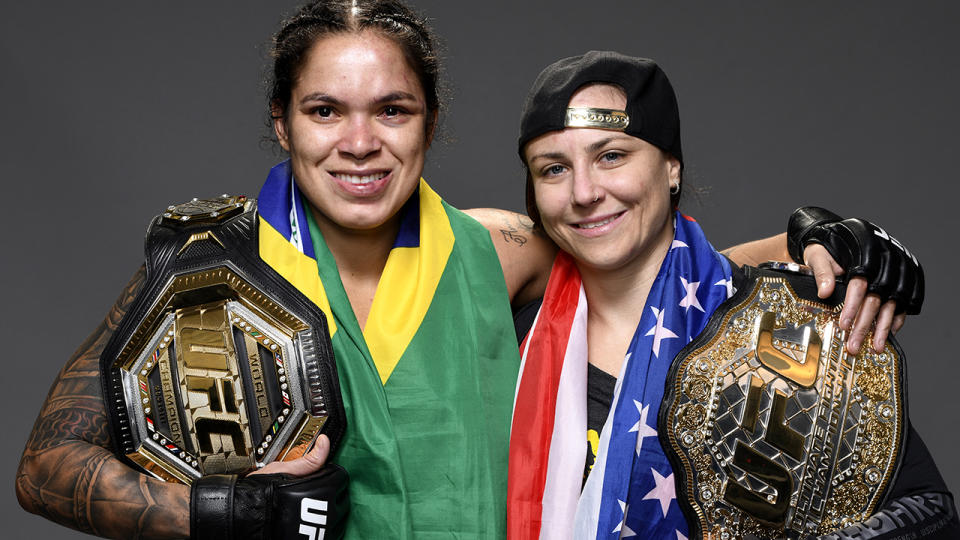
column 304, row 465
column 885, row 281
column 860, row 308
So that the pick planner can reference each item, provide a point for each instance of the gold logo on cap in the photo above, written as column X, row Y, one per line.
column 588, row 117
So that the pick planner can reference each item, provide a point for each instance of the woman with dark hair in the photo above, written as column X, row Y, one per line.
column 634, row 282
column 416, row 298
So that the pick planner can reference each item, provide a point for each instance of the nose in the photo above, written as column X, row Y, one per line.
column 586, row 191
column 359, row 139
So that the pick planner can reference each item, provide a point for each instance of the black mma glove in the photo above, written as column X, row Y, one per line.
column 264, row 506
column 863, row 250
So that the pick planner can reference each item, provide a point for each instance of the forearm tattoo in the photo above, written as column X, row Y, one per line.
column 68, row 474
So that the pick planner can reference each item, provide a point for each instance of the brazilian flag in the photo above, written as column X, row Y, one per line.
column 428, row 383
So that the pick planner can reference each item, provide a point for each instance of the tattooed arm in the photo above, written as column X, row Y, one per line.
column 68, row 474
column 525, row 255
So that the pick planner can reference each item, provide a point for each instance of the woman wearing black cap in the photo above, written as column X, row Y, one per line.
column 634, row 282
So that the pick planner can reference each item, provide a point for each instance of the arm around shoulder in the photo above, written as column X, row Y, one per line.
column 526, row 254
column 773, row 248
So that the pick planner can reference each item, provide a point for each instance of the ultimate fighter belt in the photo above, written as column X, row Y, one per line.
column 220, row 365
column 773, row 429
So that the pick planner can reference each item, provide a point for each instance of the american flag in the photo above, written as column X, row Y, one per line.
column 630, row 490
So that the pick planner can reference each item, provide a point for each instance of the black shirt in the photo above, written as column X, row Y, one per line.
column 600, row 385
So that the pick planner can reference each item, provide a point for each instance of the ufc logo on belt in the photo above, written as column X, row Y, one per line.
column 313, row 511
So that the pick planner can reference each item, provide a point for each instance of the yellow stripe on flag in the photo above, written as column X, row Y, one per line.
column 295, row 267
column 407, row 285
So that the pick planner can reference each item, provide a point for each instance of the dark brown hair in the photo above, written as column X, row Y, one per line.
column 390, row 18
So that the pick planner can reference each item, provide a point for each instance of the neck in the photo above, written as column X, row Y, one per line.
column 361, row 256
column 362, row 252
column 615, row 302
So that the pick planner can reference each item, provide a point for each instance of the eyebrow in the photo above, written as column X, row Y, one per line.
column 548, row 155
column 591, row 148
column 396, row 96
column 392, row 96
column 320, row 96
column 601, row 143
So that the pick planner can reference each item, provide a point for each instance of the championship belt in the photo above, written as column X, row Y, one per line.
column 220, row 366
column 773, row 429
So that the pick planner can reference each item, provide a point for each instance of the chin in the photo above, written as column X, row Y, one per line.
column 591, row 259
column 606, row 257
column 366, row 223
column 603, row 265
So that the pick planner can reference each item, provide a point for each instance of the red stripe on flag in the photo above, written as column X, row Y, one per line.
column 534, row 411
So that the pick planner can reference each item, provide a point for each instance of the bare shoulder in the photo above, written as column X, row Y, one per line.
column 525, row 253
column 511, row 228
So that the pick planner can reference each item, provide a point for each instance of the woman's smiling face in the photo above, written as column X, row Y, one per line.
column 603, row 195
column 356, row 129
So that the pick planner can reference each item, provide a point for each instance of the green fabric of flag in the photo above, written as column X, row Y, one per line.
column 427, row 440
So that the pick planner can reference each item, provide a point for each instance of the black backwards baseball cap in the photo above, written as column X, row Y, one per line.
column 651, row 114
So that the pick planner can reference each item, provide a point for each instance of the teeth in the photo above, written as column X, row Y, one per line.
column 596, row 224
column 354, row 179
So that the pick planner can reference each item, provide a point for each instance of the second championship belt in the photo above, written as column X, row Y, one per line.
column 220, row 366
column 775, row 431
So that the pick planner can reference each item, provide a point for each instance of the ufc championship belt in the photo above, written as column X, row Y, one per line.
column 773, row 429
column 220, row 365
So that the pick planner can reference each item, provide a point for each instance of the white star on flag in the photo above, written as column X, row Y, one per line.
column 676, row 244
column 658, row 332
column 641, row 425
column 728, row 283
column 664, row 491
column 690, row 300
column 680, row 536
column 621, row 527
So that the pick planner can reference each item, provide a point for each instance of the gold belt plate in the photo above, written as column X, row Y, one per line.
column 217, row 387
column 774, row 429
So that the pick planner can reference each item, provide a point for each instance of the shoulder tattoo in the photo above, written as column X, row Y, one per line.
column 515, row 228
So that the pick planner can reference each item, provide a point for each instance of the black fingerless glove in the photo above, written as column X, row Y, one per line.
column 863, row 250
column 264, row 506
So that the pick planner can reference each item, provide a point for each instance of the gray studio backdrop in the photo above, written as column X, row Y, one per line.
column 114, row 110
